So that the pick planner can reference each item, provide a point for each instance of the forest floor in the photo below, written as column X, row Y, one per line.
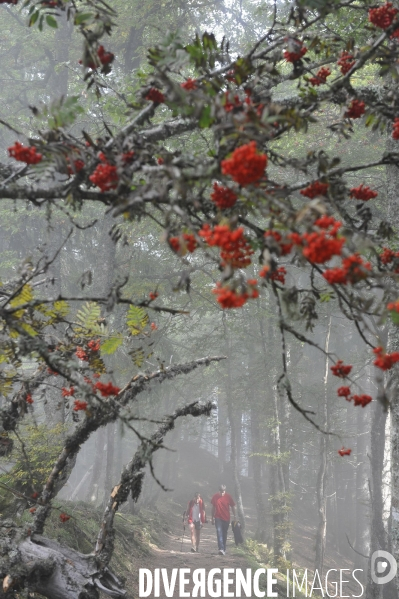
column 173, row 550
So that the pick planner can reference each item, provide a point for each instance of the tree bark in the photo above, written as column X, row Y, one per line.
column 321, row 484
column 233, row 434
column 377, row 532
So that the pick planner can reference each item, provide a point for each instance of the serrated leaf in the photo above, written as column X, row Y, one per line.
column 29, row 329
column 24, row 297
column 88, row 318
column 61, row 308
column 96, row 364
column 6, row 384
column 325, row 297
column 136, row 319
column 111, row 345
column 138, row 357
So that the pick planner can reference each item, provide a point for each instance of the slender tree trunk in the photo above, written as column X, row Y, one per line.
column 233, row 435
column 377, row 532
column 109, row 464
column 93, row 485
column 221, row 434
column 321, row 484
column 361, row 531
column 278, row 489
column 256, row 462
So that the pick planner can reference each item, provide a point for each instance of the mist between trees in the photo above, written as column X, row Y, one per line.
column 174, row 202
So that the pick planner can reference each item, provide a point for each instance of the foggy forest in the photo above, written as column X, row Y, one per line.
column 199, row 268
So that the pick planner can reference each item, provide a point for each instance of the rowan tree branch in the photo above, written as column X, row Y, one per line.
column 99, row 415
column 133, row 474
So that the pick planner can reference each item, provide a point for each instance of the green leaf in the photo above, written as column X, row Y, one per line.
column 24, row 297
column 34, row 18
column 51, row 22
column 206, row 120
column 395, row 317
column 111, row 345
column 138, row 357
column 136, row 319
column 88, row 318
column 326, row 297
column 61, row 308
column 81, row 17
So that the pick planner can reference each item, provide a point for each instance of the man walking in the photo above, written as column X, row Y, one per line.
column 221, row 504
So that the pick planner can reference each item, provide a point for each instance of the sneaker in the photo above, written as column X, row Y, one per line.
column 221, row 552
column 197, row 550
column 192, row 550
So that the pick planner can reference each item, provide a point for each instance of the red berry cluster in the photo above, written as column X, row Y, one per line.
column 223, row 197
column 189, row 84
column 362, row 192
column 284, row 247
column 388, row 256
column 230, row 298
column 184, row 243
column 361, row 400
column 358, row 400
column 64, row 517
column 319, row 247
column 67, row 392
column 94, row 344
column 154, row 95
column 81, row 354
column 345, row 62
column 343, row 392
column 105, row 176
column 383, row 16
column 106, row 389
column 79, row 405
column 235, row 249
column 245, row 165
column 344, row 451
column 78, row 165
column 28, row 398
column 105, row 57
column 294, row 56
column 321, row 76
column 340, row 369
column 314, row 189
column 228, row 104
column 356, row 109
column 353, row 270
column 274, row 275
column 24, row 154
column 383, row 360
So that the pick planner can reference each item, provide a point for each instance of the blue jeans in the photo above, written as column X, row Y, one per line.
column 221, row 532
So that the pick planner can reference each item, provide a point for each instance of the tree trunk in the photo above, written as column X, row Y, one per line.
column 256, row 462
column 109, row 464
column 321, row 484
column 377, row 531
column 93, row 485
column 233, row 435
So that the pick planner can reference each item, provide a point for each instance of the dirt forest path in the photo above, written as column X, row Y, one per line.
column 175, row 554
